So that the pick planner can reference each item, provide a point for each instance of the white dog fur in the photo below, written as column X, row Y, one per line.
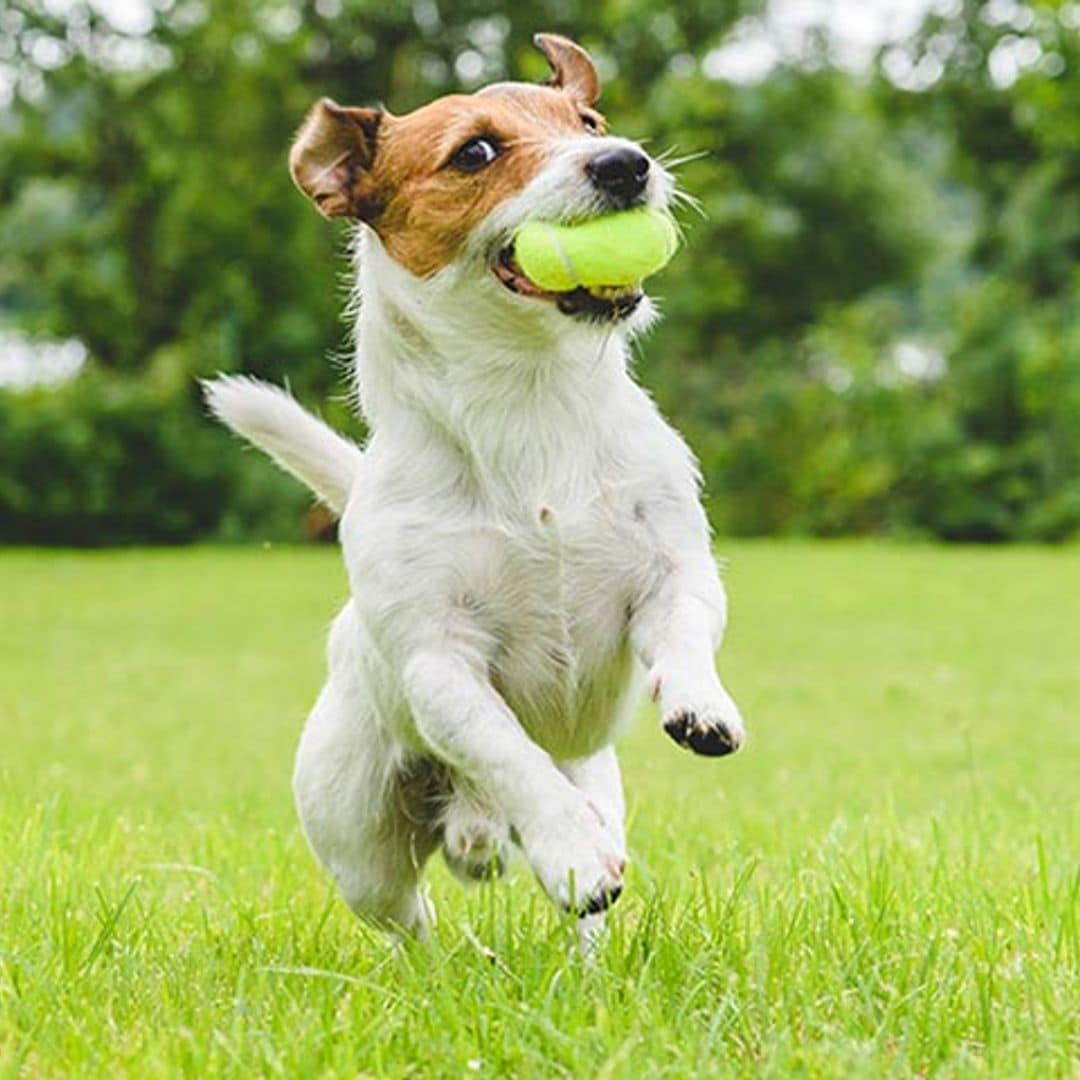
column 525, row 545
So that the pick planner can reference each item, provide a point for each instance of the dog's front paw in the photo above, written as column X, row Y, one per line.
column 579, row 863
column 704, row 730
column 706, row 722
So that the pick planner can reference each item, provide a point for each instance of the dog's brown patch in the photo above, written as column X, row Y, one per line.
column 429, row 207
column 396, row 172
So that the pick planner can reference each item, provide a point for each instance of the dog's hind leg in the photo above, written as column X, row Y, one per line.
column 369, row 810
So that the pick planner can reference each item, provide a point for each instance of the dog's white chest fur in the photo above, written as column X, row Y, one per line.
column 536, row 579
column 555, row 594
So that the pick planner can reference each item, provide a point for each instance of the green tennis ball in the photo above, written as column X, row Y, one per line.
column 616, row 249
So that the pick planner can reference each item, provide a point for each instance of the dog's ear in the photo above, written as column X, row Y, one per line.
column 572, row 67
column 331, row 159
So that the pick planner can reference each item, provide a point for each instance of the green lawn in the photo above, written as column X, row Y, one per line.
column 887, row 880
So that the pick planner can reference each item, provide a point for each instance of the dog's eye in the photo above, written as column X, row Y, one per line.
column 592, row 125
column 476, row 154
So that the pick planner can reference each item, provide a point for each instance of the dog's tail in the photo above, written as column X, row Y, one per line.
column 280, row 426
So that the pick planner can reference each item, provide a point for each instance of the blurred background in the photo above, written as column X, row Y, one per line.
column 875, row 328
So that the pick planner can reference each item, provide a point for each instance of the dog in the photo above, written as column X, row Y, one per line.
column 524, row 540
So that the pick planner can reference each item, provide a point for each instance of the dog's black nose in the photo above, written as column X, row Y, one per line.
column 621, row 173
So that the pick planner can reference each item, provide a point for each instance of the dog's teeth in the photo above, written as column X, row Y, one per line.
column 612, row 292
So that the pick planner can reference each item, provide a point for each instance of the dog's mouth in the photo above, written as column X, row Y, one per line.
column 597, row 303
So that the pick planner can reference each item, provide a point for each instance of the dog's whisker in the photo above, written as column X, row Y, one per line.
column 671, row 162
column 696, row 206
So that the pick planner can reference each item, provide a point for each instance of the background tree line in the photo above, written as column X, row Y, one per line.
column 875, row 327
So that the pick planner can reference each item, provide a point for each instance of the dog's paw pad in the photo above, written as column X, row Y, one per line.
column 599, row 901
column 704, row 732
column 603, row 893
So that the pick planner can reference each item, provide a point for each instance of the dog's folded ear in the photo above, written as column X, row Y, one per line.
column 331, row 159
column 572, row 67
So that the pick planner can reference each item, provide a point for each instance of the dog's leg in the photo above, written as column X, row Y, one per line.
column 675, row 631
column 476, row 837
column 461, row 716
column 369, row 810
column 598, row 777
column 362, row 807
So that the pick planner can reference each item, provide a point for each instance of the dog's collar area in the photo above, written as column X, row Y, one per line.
column 598, row 304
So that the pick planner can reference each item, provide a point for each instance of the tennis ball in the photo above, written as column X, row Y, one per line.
column 616, row 249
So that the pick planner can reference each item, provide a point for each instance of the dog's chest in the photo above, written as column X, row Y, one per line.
column 554, row 594
column 559, row 583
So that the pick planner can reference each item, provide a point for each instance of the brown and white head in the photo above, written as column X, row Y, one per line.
column 441, row 190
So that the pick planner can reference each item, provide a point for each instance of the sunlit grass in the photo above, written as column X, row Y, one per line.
column 887, row 880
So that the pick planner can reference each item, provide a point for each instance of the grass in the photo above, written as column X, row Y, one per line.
column 885, row 882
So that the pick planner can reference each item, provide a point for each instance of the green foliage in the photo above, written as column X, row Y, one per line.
column 145, row 209
column 107, row 460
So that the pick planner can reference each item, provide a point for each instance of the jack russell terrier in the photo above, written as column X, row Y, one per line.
column 522, row 532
